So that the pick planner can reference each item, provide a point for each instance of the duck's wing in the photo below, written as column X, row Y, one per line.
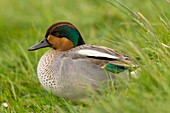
column 103, row 57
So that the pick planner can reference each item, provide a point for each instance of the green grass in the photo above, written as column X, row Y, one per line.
column 140, row 29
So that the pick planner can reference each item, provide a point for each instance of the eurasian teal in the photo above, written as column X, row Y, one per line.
column 71, row 67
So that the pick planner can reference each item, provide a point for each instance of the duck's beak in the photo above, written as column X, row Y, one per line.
column 44, row 43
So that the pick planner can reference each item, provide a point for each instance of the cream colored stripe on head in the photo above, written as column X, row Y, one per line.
column 95, row 53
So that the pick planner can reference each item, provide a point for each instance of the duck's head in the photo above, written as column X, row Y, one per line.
column 60, row 36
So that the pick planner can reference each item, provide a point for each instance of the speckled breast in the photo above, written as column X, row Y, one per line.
column 44, row 70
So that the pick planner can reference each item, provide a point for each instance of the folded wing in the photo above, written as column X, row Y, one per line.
column 105, row 58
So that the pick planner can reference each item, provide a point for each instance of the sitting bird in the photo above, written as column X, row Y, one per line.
column 72, row 67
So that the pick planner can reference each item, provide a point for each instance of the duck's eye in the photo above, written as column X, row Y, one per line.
column 56, row 33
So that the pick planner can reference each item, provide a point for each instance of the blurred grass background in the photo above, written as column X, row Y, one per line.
column 141, row 32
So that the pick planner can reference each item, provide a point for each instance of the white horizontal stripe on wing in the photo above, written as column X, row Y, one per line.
column 88, row 52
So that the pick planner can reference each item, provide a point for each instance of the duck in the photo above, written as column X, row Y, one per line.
column 72, row 68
